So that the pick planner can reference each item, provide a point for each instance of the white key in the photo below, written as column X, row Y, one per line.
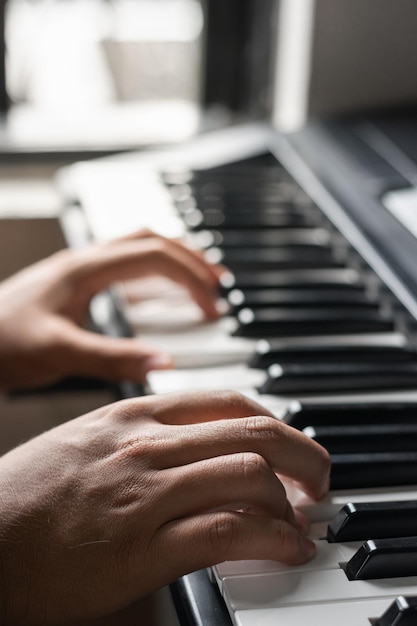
column 237, row 377
column 329, row 556
column 295, row 588
column 171, row 322
column 341, row 614
column 204, row 344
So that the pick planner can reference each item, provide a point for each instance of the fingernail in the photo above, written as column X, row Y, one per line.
column 308, row 547
column 302, row 521
column 326, row 487
column 157, row 362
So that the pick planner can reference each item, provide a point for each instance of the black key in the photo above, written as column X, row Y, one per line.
column 265, row 355
column 402, row 612
column 301, row 415
column 323, row 378
column 229, row 201
column 238, row 259
column 259, row 298
column 300, row 279
column 377, row 520
column 365, row 438
column 221, row 219
column 282, row 322
column 373, row 469
column 384, row 558
column 273, row 202
column 270, row 237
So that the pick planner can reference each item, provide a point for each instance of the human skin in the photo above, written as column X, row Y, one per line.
column 44, row 307
column 113, row 505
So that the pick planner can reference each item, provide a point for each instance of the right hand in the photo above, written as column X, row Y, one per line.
column 109, row 507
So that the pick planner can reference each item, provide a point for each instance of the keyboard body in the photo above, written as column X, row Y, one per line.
column 350, row 260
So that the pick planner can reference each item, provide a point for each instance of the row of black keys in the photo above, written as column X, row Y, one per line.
column 292, row 275
column 392, row 551
column 234, row 204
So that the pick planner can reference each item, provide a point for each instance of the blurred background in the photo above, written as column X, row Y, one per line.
column 125, row 71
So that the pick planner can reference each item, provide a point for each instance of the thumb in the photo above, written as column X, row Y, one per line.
column 114, row 358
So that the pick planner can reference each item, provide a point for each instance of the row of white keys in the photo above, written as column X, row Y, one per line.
column 250, row 603
column 266, row 593
column 329, row 556
column 356, row 613
column 297, row 588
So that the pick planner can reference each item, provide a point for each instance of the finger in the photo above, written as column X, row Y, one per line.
column 200, row 406
column 217, row 422
column 201, row 541
column 103, row 265
column 286, row 449
column 145, row 233
column 242, row 481
column 142, row 233
column 91, row 354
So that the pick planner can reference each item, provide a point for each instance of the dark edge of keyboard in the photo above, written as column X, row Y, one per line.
column 357, row 177
column 198, row 602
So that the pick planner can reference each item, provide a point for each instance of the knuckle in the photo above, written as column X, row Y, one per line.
column 286, row 541
column 253, row 466
column 232, row 399
column 223, row 534
column 158, row 248
column 261, row 427
column 145, row 449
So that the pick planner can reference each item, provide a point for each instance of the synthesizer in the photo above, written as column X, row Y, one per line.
column 319, row 327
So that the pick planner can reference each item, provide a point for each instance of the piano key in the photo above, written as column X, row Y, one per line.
column 305, row 414
column 293, row 588
column 269, row 171
column 402, row 612
column 365, row 438
column 327, row 377
column 379, row 469
column 220, row 219
column 258, row 298
column 273, row 258
column 356, row 613
column 278, row 201
column 299, row 279
column 384, row 558
column 279, row 321
column 329, row 507
column 185, row 346
column 222, row 377
column 265, row 355
column 376, row 520
column 270, row 237
column 329, row 556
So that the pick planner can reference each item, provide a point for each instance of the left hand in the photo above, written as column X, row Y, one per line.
column 107, row 508
column 43, row 307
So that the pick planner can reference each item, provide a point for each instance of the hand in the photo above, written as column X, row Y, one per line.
column 109, row 507
column 42, row 310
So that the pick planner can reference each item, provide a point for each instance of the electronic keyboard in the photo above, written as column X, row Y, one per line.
column 319, row 327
